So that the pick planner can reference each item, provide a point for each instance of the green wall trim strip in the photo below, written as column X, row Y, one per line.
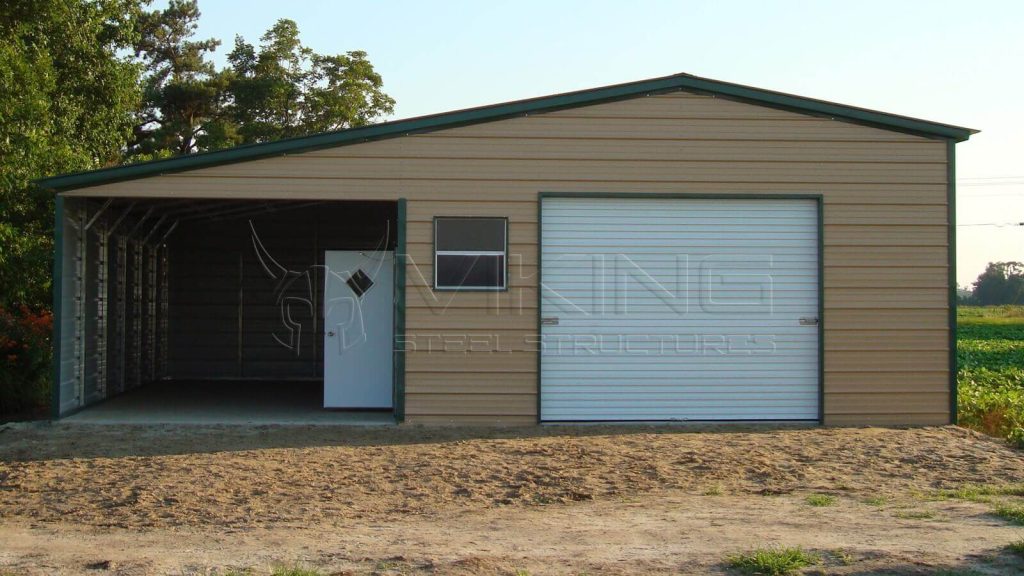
column 58, row 282
column 540, row 291
column 678, row 82
column 400, row 259
column 951, row 208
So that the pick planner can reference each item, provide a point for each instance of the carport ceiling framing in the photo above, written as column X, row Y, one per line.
column 146, row 216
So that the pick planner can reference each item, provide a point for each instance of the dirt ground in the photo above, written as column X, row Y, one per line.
column 551, row 500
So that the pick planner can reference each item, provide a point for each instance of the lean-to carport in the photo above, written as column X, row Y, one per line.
column 219, row 298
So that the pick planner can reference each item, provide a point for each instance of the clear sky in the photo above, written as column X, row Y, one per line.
column 955, row 62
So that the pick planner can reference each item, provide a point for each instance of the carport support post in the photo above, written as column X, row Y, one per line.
column 81, row 253
column 102, row 296
column 58, row 273
column 163, row 321
column 135, row 351
column 121, row 310
column 150, row 307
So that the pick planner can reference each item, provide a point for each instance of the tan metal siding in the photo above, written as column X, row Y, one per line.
column 885, row 241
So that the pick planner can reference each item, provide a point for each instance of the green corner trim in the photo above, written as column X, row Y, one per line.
column 678, row 82
column 540, row 292
column 951, row 208
column 401, row 263
column 57, row 284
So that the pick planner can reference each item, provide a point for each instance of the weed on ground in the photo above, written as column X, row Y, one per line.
column 773, row 561
column 820, row 500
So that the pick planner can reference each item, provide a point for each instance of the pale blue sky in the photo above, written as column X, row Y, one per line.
column 955, row 62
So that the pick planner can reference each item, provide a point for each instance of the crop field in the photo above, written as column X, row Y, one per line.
column 990, row 380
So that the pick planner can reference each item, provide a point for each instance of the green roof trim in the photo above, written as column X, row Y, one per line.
column 678, row 82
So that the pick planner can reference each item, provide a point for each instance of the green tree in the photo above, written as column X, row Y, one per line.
column 66, row 100
column 277, row 90
column 285, row 89
column 1000, row 283
column 183, row 96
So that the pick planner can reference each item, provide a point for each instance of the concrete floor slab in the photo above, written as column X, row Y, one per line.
column 223, row 402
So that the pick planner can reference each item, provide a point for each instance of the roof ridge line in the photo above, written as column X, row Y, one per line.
column 492, row 112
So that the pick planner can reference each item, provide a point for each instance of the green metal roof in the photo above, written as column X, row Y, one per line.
column 684, row 82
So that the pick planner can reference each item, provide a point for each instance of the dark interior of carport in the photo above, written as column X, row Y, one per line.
column 177, row 304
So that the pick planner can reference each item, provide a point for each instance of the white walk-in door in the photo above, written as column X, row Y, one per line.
column 358, row 329
column 679, row 309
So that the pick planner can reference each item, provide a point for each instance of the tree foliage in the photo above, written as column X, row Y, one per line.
column 182, row 94
column 284, row 89
column 66, row 104
column 279, row 89
column 1000, row 283
column 91, row 83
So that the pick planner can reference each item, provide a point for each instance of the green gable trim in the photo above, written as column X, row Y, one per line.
column 684, row 82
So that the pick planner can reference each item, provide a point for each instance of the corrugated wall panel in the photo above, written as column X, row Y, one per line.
column 884, row 205
column 70, row 372
column 229, row 312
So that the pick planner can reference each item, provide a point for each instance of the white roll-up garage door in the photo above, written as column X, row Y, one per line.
column 679, row 309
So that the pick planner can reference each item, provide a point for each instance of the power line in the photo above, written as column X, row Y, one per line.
column 988, row 184
column 996, row 224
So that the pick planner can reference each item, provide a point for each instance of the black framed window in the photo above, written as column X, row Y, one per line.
column 470, row 253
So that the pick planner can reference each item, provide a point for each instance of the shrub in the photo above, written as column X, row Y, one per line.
column 25, row 362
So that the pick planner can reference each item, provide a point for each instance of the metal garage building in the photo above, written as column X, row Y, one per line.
column 671, row 249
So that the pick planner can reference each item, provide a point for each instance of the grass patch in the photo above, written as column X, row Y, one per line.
column 820, row 500
column 773, row 561
column 979, row 492
column 914, row 514
column 1016, row 548
column 295, row 571
column 876, row 501
column 1011, row 513
column 715, row 490
column 990, row 314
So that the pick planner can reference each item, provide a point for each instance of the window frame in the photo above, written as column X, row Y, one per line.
column 504, row 254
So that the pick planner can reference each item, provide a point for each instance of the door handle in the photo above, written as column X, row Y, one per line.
column 812, row 321
column 549, row 321
column 330, row 334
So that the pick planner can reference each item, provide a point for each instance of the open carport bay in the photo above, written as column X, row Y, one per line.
column 200, row 305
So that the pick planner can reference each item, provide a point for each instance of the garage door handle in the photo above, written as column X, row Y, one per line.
column 808, row 321
column 549, row 321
